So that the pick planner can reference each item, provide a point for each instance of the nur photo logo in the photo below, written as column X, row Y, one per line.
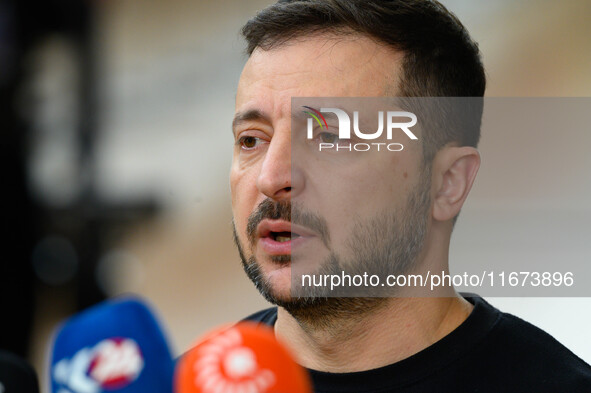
column 338, row 141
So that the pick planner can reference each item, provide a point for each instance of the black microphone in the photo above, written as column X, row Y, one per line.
column 16, row 375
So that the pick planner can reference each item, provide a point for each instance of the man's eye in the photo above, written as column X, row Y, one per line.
column 327, row 137
column 248, row 142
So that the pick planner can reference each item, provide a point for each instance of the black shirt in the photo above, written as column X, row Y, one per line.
column 490, row 351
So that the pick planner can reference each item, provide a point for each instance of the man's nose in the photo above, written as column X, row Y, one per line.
column 276, row 178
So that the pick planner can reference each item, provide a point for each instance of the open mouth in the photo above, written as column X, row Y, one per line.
column 279, row 237
column 284, row 236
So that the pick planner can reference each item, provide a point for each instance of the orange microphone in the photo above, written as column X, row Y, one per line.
column 244, row 358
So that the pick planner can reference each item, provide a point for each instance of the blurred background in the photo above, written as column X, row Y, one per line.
column 116, row 150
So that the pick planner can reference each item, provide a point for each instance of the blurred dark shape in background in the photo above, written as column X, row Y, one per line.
column 56, row 226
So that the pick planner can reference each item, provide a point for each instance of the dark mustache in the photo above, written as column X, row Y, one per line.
column 284, row 210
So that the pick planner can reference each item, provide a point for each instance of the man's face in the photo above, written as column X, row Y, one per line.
column 338, row 210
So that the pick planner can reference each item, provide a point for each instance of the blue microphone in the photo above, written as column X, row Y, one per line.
column 116, row 346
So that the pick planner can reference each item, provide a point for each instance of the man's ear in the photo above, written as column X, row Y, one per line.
column 454, row 171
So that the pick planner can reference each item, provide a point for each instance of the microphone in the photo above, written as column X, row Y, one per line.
column 16, row 375
column 116, row 346
column 244, row 358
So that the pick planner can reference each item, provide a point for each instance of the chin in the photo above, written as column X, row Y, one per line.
column 278, row 282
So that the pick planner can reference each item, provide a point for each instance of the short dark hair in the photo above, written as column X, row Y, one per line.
column 440, row 58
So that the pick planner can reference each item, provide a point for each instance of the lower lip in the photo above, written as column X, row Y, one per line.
column 273, row 247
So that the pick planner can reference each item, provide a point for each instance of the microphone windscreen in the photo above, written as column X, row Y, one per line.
column 244, row 358
column 16, row 375
column 116, row 346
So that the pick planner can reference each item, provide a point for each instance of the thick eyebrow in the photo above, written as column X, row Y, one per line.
column 248, row 115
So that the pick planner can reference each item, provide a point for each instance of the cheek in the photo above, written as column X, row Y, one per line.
column 234, row 179
column 240, row 178
column 363, row 191
column 375, row 183
column 244, row 196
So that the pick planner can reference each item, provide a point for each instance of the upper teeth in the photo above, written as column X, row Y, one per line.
column 282, row 238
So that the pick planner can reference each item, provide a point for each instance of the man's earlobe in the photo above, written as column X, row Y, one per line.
column 454, row 170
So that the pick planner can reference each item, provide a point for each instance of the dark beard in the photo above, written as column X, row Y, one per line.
column 314, row 312
column 387, row 244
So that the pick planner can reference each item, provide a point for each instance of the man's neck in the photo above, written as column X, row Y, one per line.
column 387, row 334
